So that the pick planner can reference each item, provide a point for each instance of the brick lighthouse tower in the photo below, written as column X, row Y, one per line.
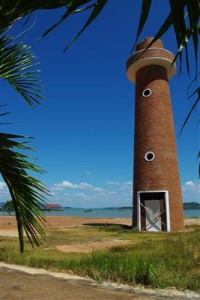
column 157, row 204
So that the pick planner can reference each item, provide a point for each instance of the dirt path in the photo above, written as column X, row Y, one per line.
column 25, row 283
column 19, row 285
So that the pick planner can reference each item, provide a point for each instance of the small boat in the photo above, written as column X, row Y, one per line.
column 87, row 210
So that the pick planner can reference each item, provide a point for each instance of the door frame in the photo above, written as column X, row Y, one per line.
column 167, row 211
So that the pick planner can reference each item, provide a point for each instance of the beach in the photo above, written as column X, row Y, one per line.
column 8, row 225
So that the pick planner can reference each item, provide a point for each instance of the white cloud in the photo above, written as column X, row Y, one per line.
column 191, row 191
column 84, row 194
column 113, row 182
column 117, row 183
column 190, row 183
column 128, row 182
column 98, row 189
column 81, row 195
column 69, row 185
column 84, row 185
column 128, row 185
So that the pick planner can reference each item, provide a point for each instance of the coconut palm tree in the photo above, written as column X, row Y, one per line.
column 27, row 193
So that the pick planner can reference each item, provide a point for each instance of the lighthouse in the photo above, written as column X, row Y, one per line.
column 157, row 203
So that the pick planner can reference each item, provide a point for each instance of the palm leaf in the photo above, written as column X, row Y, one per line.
column 71, row 9
column 179, row 27
column 16, row 66
column 146, row 5
column 12, row 11
column 199, row 163
column 28, row 194
column 197, row 91
column 74, row 8
column 95, row 12
column 193, row 9
column 184, row 18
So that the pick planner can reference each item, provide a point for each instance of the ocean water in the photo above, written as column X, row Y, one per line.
column 104, row 213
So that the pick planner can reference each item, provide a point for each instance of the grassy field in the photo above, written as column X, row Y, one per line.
column 158, row 260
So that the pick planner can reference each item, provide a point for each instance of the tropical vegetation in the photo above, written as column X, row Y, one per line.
column 18, row 67
column 158, row 260
column 17, row 64
column 8, row 206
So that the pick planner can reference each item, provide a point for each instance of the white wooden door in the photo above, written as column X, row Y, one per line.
column 153, row 218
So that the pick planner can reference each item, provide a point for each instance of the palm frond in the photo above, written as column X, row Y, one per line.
column 28, row 194
column 184, row 18
column 197, row 91
column 145, row 10
column 13, row 10
column 17, row 66
column 75, row 7
column 16, row 9
column 95, row 12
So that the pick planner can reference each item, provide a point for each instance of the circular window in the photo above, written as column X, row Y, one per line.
column 149, row 156
column 146, row 93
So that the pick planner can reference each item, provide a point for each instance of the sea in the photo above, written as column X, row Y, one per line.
column 103, row 213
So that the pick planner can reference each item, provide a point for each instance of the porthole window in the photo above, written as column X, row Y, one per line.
column 146, row 93
column 149, row 156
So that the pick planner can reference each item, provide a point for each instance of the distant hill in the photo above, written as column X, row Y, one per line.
column 191, row 205
column 124, row 207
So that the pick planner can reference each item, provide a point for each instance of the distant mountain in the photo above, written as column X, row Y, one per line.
column 191, row 205
column 124, row 207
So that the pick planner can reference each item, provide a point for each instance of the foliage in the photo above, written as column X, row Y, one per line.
column 8, row 206
column 27, row 192
column 17, row 62
column 184, row 18
column 12, row 11
column 154, row 259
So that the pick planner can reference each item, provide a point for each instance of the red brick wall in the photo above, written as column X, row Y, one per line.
column 154, row 131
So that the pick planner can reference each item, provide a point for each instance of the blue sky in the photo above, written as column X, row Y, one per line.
column 84, row 128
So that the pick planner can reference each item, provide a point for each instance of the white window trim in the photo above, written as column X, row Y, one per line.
column 166, row 199
column 146, row 96
column 149, row 152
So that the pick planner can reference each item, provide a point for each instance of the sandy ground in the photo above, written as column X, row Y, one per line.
column 8, row 226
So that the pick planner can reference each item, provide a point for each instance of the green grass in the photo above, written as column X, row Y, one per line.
column 152, row 259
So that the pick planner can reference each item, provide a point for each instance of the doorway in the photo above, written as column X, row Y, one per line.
column 153, row 211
